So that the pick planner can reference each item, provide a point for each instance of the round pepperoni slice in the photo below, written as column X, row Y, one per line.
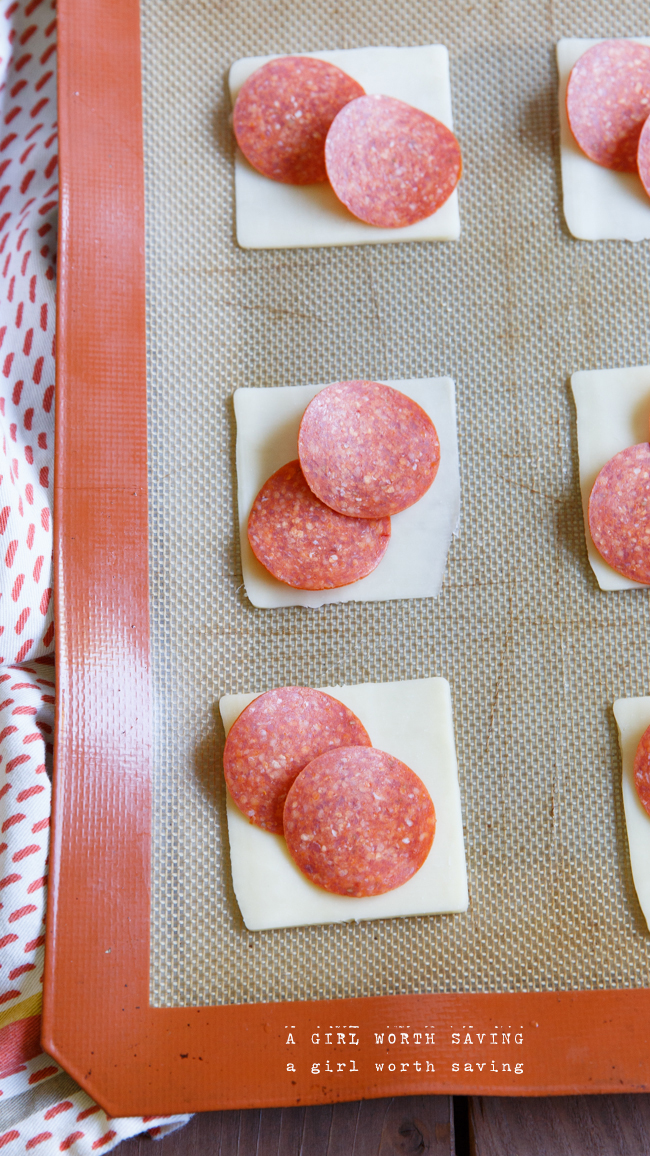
column 304, row 543
column 390, row 163
column 619, row 513
column 359, row 822
column 367, row 450
column 643, row 156
column 274, row 738
column 642, row 770
column 608, row 100
column 282, row 115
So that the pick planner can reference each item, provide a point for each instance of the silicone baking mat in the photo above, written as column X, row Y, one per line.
column 534, row 652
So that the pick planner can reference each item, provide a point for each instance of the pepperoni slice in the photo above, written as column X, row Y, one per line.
column 390, row 163
column 274, row 738
column 359, row 822
column 642, row 770
column 366, row 449
column 608, row 100
column 643, row 156
column 282, row 115
column 304, row 543
column 619, row 513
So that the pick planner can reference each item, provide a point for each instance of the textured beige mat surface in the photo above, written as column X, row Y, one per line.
column 533, row 651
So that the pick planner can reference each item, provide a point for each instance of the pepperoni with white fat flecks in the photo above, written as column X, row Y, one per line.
column 608, row 101
column 389, row 163
column 619, row 513
column 271, row 741
column 307, row 545
column 359, row 822
column 366, row 449
column 641, row 770
column 283, row 113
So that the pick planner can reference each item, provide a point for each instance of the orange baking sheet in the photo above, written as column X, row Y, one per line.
column 135, row 1059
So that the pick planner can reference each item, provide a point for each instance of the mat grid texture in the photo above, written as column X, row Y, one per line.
column 535, row 653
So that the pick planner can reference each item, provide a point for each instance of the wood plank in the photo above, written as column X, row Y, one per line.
column 398, row 1126
column 560, row 1126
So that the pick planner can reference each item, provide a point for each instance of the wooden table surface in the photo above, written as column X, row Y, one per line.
column 419, row 1126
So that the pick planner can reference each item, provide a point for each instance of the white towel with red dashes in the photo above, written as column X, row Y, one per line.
column 41, row 1108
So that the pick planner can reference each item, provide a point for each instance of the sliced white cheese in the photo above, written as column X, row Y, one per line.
column 613, row 411
column 633, row 718
column 414, row 564
column 599, row 204
column 271, row 215
column 411, row 720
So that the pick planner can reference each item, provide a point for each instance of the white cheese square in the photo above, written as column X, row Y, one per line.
column 271, row 215
column 613, row 411
column 414, row 563
column 599, row 204
column 633, row 718
column 411, row 720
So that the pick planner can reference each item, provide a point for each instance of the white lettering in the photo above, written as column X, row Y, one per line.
column 455, row 1039
column 430, row 1067
column 353, row 1067
column 379, row 1067
column 405, row 1037
column 468, row 1068
column 405, row 1066
column 519, row 1039
column 392, row 1038
column 315, row 1069
column 455, row 1067
column 315, row 1039
column 290, row 1039
column 290, row 1068
column 481, row 1066
column 391, row 1067
column 431, row 1038
column 352, row 1039
column 340, row 1037
column 519, row 1069
column 417, row 1037
column 480, row 1037
column 379, row 1039
column 468, row 1039
column 340, row 1067
column 505, row 1037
